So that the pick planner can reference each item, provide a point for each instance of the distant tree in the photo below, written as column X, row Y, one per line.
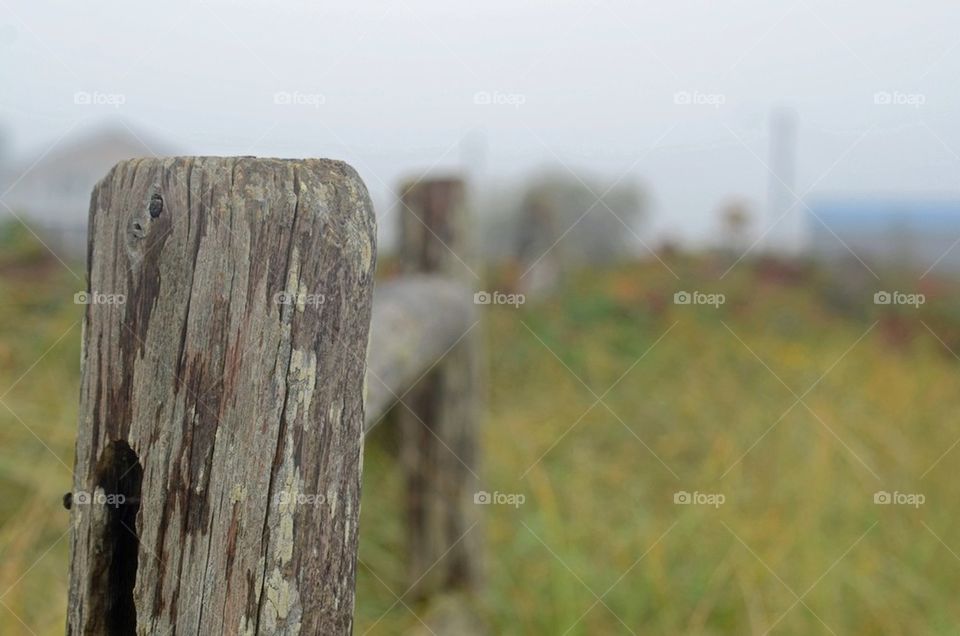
column 579, row 222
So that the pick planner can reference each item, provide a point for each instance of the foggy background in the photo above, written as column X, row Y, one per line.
column 719, row 255
column 502, row 90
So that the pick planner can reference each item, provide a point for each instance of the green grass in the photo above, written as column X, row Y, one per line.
column 696, row 411
column 799, row 515
column 39, row 393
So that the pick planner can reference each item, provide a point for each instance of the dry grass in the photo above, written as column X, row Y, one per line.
column 799, row 518
column 698, row 412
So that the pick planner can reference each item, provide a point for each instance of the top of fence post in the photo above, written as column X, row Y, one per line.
column 434, row 237
column 217, row 477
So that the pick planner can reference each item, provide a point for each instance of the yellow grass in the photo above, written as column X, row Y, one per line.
column 798, row 545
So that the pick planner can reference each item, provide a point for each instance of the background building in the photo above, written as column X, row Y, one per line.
column 51, row 190
column 920, row 234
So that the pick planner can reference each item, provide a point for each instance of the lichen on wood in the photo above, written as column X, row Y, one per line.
column 234, row 371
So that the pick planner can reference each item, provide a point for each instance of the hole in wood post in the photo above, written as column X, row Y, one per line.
column 118, row 478
column 156, row 205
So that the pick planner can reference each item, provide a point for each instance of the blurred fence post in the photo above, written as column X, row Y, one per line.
column 439, row 421
column 217, row 477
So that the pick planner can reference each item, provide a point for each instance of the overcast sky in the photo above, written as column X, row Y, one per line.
column 394, row 88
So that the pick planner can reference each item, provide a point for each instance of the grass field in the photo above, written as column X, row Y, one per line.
column 796, row 401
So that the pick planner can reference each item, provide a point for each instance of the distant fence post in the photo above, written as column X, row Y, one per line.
column 439, row 425
column 217, row 478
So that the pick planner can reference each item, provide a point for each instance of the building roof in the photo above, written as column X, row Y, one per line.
column 53, row 185
column 866, row 213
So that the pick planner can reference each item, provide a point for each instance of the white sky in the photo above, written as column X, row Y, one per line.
column 596, row 80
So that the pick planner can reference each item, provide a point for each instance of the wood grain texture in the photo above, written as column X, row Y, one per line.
column 439, row 419
column 228, row 383
column 416, row 319
column 434, row 232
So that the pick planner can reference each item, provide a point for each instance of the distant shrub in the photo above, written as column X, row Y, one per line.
column 18, row 245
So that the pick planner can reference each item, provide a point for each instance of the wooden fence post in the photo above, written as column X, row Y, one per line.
column 438, row 422
column 217, row 478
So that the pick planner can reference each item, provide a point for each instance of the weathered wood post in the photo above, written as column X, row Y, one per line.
column 439, row 422
column 217, row 478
